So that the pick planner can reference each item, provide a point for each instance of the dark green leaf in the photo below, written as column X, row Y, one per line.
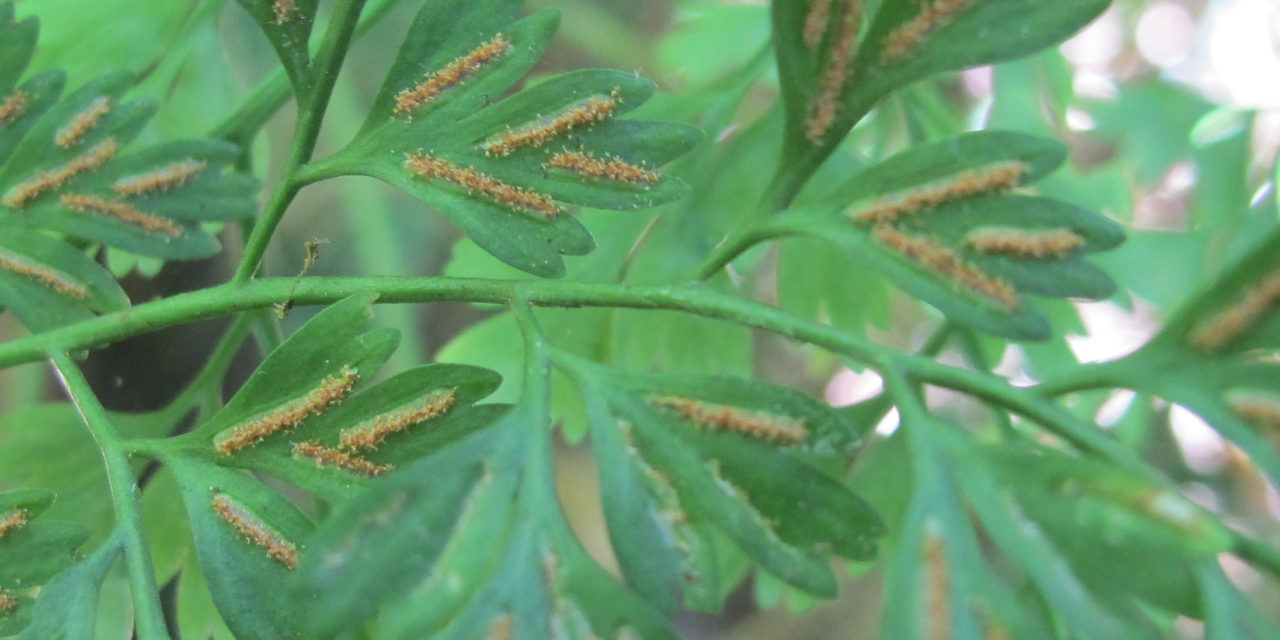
column 682, row 474
column 466, row 542
column 838, row 63
column 333, row 349
column 48, row 283
column 63, row 168
column 450, row 388
column 930, row 220
column 248, row 538
column 509, row 199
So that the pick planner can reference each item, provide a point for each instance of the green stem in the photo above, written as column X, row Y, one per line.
column 694, row 299
column 311, row 110
column 972, row 351
column 125, row 496
column 1088, row 377
column 1081, row 433
column 728, row 251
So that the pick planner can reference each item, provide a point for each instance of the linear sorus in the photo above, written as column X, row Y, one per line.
column 1261, row 410
column 284, row 10
column 44, row 181
column 1216, row 331
column 285, row 417
column 370, row 433
column 73, row 132
column 999, row 176
column 13, row 107
column 45, row 275
column 255, row 530
column 721, row 417
column 12, row 521
column 910, row 34
column 948, row 264
column 1025, row 243
column 160, row 180
column 332, row 457
column 453, row 74
column 585, row 113
column 123, row 212
column 835, row 75
column 607, row 168
column 429, row 166
column 815, row 22
column 938, row 587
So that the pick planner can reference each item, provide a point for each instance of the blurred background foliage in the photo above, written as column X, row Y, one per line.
column 1171, row 109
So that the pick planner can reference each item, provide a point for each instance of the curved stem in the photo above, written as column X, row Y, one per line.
column 1080, row 433
column 124, row 495
column 728, row 251
column 688, row 298
column 258, row 294
column 311, row 110
column 1088, row 377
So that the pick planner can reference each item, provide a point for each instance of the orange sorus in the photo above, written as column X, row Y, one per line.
column 289, row 415
column 451, row 75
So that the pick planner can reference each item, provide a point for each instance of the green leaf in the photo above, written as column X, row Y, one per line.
column 447, row 391
column 1235, row 311
column 446, row 139
column 287, row 24
column 932, row 220
column 1125, row 536
column 849, row 67
column 334, row 348
column 197, row 615
column 1045, row 566
column 68, row 604
column 466, row 542
column 457, row 504
column 47, row 283
column 248, row 538
column 64, row 168
column 673, row 467
column 33, row 550
column 928, row 163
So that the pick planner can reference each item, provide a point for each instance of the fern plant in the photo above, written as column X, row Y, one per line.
column 335, row 496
